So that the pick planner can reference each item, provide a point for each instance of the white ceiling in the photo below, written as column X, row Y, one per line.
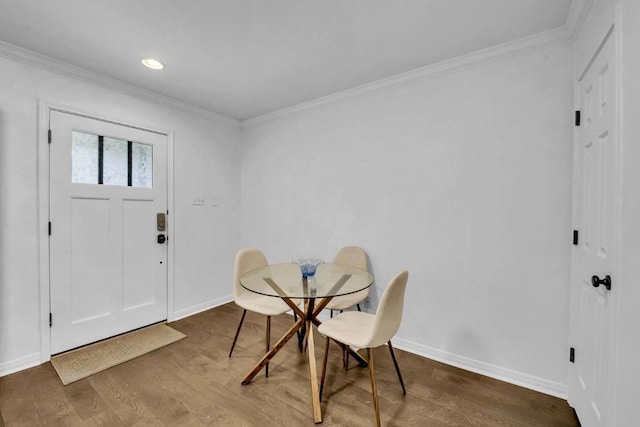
column 245, row 58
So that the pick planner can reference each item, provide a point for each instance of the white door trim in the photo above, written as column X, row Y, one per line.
column 44, row 108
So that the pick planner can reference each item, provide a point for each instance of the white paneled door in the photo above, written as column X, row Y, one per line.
column 108, row 194
column 596, row 256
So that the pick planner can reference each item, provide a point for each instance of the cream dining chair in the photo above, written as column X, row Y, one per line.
column 364, row 330
column 354, row 256
column 246, row 260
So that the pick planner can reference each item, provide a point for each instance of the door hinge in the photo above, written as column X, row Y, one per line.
column 49, row 136
column 572, row 355
column 50, row 320
column 577, row 120
column 49, row 228
column 575, row 237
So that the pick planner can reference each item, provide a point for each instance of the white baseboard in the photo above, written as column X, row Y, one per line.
column 542, row 385
column 19, row 364
column 198, row 308
column 503, row 374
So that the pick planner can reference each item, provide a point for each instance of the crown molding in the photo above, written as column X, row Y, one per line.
column 577, row 16
column 496, row 53
column 37, row 60
column 568, row 32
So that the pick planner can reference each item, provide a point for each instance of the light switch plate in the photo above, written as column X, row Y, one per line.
column 198, row 199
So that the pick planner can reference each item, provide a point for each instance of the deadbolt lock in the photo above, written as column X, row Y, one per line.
column 161, row 221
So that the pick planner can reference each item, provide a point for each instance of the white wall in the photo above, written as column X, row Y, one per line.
column 464, row 180
column 207, row 160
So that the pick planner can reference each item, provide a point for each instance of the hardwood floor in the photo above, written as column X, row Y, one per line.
column 193, row 382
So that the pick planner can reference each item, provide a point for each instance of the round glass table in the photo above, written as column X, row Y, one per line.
column 330, row 280
column 287, row 282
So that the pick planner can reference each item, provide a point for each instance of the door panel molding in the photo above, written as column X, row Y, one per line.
column 45, row 106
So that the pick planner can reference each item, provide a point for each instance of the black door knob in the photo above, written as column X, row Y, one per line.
column 606, row 282
column 162, row 238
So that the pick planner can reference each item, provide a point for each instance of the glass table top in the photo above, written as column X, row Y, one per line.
column 285, row 280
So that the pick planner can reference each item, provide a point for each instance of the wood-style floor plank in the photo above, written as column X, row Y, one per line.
column 193, row 382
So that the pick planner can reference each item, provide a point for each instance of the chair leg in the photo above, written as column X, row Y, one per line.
column 374, row 390
column 244, row 313
column 298, row 333
column 358, row 305
column 307, row 329
column 268, row 343
column 324, row 365
column 346, row 358
column 395, row 362
column 331, row 313
column 302, row 335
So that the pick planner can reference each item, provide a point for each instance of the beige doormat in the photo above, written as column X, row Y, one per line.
column 82, row 362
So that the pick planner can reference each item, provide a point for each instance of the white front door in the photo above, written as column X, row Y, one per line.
column 596, row 257
column 108, row 183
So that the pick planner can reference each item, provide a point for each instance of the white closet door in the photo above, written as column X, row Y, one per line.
column 596, row 258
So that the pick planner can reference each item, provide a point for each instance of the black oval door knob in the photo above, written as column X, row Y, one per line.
column 606, row 282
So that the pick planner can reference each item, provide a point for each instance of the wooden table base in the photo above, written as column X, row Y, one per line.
column 307, row 319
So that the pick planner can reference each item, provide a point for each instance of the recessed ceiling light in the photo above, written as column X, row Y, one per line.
column 154, row 64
